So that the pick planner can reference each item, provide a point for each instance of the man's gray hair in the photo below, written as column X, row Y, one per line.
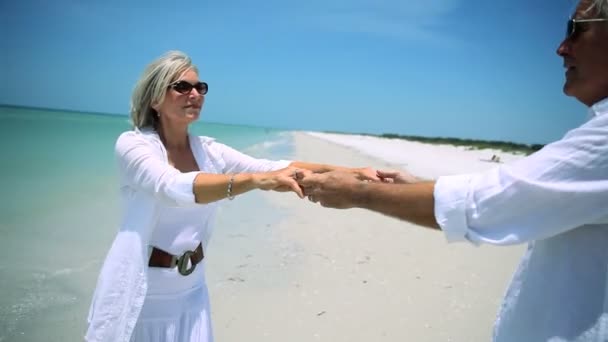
column 600, row 6
column 152, row 86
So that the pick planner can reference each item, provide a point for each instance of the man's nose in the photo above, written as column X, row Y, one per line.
column 564, row 47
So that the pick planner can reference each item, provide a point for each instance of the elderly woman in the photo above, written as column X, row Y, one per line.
column 152, row 284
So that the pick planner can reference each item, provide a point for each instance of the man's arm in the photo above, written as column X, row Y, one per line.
column 341, row 190
column 409, row 202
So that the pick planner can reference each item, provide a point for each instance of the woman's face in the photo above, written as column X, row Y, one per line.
column 181, row 107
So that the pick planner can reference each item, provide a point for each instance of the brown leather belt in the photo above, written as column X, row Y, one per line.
column 160, row 258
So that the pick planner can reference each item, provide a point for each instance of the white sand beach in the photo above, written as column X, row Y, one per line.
column 317, row 274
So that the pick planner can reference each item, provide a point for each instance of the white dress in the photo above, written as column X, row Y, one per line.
column 134, row 302
column 175, row 313
column 176, row 307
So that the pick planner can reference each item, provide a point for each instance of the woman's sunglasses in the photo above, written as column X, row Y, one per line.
column 571, row 28
column 184, row 87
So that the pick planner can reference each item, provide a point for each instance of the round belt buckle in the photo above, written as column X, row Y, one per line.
column 182, row 263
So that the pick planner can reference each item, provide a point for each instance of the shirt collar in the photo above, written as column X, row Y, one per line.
column 599, row 108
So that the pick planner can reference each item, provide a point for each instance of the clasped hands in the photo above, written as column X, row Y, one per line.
column 335, row 189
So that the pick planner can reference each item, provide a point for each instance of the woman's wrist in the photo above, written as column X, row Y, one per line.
column 241, row 183
column 259, row 180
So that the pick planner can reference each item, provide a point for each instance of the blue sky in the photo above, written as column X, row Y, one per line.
column 459, row 68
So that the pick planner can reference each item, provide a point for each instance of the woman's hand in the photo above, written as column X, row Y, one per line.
column 280, row 180
column 397, row 177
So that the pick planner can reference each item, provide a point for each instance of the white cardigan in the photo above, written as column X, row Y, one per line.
column 146, row 180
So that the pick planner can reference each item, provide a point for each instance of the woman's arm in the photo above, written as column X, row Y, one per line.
column 209, row 188
column 142, row 169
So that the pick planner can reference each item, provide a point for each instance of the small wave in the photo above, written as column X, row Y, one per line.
column 69, row 271
column 36, row 298
column 280, row 146
column 265, row 145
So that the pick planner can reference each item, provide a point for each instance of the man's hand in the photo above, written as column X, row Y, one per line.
column 342, row 190
column 367, row 174
column 397, row 177
column 333, row 189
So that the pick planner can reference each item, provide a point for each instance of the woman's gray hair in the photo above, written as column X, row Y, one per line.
column 152, row 86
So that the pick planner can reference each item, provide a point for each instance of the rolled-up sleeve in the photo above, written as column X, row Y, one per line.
column 559, row 188
column 450, row 205
column 142, row 169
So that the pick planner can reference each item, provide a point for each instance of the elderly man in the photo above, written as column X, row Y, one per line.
column 556, row 200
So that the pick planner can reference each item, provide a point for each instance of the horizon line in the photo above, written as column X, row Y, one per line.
column 380, row 135
column 6, row 105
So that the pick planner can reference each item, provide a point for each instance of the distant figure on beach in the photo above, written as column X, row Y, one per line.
column 152, row 284
column 555, row 200
column 495, row 159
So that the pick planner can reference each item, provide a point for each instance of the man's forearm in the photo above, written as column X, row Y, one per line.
column 409, row 202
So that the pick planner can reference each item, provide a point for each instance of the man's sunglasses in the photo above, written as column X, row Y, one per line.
column 184, row 87
column 571, row 28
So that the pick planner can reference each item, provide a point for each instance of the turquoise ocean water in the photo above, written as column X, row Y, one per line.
column 59, row 212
